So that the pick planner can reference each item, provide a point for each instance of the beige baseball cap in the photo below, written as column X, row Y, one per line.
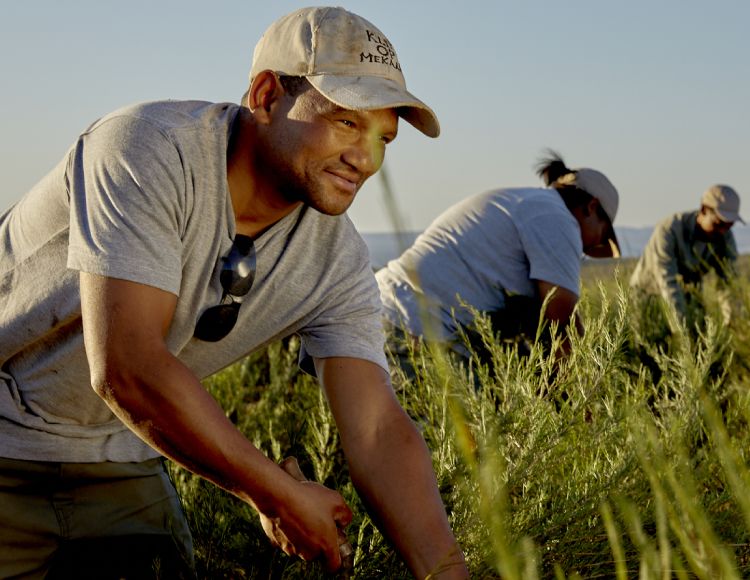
column 596, row 184
column 724, row 201
column 346, row 58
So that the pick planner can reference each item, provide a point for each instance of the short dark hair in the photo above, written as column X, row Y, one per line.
column 550, row 168
column 293, row 86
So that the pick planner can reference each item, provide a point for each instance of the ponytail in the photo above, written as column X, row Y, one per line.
column 551, row 167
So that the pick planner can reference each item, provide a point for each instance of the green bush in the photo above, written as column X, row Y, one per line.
column 627, row 459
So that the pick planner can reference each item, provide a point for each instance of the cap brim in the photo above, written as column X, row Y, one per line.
column 729, row 217
column 368, row 93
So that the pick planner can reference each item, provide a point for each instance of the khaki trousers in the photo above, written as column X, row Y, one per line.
column 91, row 520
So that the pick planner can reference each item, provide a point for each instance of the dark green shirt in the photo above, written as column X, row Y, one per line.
column 675, row 258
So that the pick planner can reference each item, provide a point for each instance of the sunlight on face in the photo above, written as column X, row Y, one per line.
column 328, row 152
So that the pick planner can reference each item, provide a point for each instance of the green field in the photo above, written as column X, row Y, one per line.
column 627, row 460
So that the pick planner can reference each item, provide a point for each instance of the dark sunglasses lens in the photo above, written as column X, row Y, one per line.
column 238, row 272
column 237, row 277
column 216, row 322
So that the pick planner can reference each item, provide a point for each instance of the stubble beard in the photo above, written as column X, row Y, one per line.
column 297, row 188
column 307, row 185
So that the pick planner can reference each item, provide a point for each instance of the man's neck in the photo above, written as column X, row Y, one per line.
column 256, row 203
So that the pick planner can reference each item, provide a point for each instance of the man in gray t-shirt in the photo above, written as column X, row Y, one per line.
column 494, row 247
column 173, row 239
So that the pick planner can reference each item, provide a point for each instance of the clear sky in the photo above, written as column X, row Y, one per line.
column 654, row 93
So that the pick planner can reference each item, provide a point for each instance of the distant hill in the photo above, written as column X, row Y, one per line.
column 386, row 246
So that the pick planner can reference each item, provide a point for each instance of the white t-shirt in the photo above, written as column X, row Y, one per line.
column 142, row 196
column 476, row 252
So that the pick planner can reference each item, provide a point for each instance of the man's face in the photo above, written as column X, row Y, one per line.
column 321, row 154
column 712, row 226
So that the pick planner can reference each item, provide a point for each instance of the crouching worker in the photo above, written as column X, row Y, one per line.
column 501, row 253
column 683, row 249
column 173, row 239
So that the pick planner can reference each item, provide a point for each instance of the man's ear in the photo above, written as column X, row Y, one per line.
column 265, row 91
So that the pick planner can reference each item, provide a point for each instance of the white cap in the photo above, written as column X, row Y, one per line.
column 596, row 184
column 724, row 201
column 346, row 58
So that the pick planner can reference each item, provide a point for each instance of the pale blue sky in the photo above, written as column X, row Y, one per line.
column 654, row 93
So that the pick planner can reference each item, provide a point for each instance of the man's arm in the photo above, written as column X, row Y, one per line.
column 726, row 271
column 390, row 466
column 165, row 404
column 665, row 269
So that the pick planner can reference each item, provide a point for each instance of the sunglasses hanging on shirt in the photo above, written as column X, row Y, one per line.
column 237, row 275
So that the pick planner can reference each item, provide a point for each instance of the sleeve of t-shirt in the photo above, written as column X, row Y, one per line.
column 349, row 323
column 126, row 185
column 553, row 246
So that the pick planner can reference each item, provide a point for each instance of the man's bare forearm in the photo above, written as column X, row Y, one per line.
column 390, row 466
column 395, row 478
column 171, row 411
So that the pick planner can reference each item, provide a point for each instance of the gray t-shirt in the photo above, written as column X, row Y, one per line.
column 142, row 196
column 476, row 252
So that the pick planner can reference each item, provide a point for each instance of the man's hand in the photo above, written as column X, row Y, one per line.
column 291, row 466
column 309, row 526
